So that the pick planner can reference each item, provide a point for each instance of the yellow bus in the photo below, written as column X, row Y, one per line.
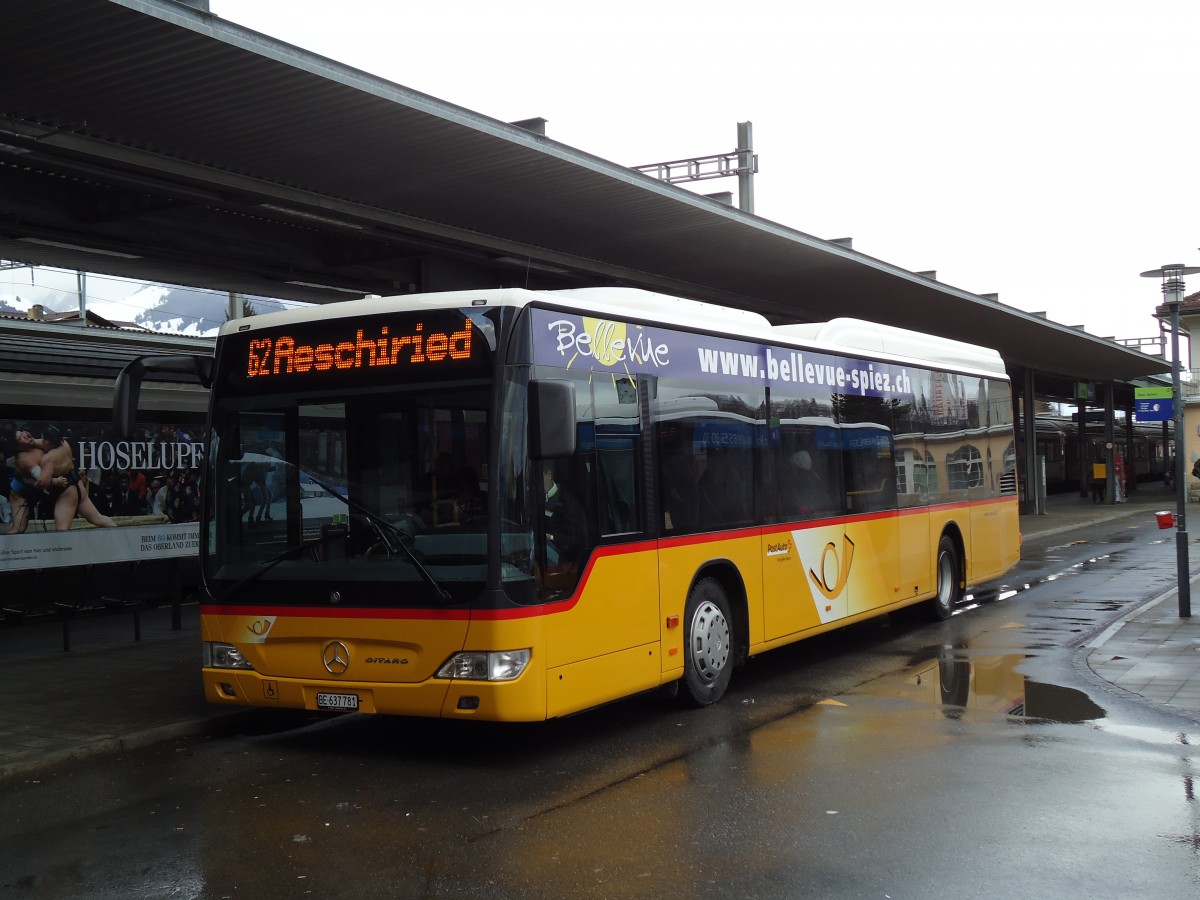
column 513, row 505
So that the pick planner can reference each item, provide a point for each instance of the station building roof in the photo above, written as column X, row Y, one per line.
column 151, row 139
column 68, row 362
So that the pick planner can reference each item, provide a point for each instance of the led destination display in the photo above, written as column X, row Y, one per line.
column 285, row 355
column 361, row 350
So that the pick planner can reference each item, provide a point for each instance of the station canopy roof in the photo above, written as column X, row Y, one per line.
column 150, row 139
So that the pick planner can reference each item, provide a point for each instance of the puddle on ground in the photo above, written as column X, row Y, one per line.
column 993, row 593
column 994, row 684
column 1096, row 605
column 1148, row 734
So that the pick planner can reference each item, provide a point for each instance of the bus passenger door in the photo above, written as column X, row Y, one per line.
column 804, row 555
column 804, row 579
column 603, row 636
column 912, row 496
column 870, row 558
column 871, row 554
column 994, row 520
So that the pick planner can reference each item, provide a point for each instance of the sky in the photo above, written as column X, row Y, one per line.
column 1044, row 151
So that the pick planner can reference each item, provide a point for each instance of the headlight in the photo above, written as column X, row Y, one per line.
column 504, row 665
column 224, row 656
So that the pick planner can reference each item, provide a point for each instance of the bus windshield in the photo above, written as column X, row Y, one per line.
column 379, row 500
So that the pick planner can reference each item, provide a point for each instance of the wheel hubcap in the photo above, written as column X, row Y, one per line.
column 710, row 641
column 945, row 580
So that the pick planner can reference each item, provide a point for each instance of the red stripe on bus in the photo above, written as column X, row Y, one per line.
column 568, row 603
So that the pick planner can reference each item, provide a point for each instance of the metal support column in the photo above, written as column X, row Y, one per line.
column 1081, row 450
column 746, row 166
column 1130, row 462
column 1110, row 446
column 1035, row 501
column 1172, row 288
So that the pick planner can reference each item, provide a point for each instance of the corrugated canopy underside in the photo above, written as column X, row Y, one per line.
column 190, row 150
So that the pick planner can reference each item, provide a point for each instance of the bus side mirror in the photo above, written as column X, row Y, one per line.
column 551, row 419
column 128, row 386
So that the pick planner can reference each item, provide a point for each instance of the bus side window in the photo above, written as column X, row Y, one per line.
column 618, row 438
column 567, row 526
column 870, row 478
column 570, row 504
column 808, row 471
column 680, row 487
column 620, row 511
column 868, row 454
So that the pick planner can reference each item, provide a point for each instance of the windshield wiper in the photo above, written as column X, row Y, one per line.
column 383, row 528
column 275, row 560
column 380, row 524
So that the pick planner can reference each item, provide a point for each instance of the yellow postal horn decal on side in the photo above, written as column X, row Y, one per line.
column 831, row 591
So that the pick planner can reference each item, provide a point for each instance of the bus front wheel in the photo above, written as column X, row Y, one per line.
column 708, row 657
column 949, row 580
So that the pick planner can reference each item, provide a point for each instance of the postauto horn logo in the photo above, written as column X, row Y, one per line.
column 834, row 569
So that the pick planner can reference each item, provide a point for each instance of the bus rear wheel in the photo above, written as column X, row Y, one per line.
column 949, row 580
column 708, row 656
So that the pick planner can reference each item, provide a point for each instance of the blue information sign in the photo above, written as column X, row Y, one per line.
column 1154, row 410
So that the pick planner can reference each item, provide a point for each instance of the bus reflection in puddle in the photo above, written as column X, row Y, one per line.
column 993, row 684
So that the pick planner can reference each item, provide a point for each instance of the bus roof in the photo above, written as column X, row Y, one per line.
column 875, row 338
column 674, row 311
column 632, row 303
column 850, row 336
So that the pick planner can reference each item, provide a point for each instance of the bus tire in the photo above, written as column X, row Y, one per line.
column 949, row 580
column 708, row 652
column 954, row 678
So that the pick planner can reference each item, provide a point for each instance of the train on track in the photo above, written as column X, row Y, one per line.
column 1059, row 445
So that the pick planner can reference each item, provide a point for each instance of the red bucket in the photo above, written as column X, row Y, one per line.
column 1165, row 519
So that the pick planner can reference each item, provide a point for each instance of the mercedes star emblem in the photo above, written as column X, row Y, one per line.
column 336, row 657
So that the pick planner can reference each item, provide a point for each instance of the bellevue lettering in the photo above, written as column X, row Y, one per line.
column 284, row 356
column 791, row 367
column 606, row 345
